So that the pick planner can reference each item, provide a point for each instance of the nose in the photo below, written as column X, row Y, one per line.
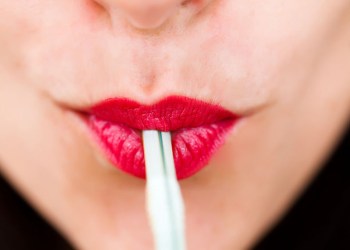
column 144, row 14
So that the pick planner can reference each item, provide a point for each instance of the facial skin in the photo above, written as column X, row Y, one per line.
column 282, row 65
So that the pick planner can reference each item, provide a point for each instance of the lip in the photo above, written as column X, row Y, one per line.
column 198, row 130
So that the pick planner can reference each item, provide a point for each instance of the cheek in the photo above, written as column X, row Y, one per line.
column 37, row 37
column 274, row 42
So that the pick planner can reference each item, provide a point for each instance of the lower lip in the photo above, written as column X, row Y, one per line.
column 192, row 147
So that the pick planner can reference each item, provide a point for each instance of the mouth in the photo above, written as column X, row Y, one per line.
column 198, row 129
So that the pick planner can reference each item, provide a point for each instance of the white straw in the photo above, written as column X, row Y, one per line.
column 164, row 200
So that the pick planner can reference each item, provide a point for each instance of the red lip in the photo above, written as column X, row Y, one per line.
column 198, row 130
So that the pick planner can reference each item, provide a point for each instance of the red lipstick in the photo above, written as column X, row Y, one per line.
column 198, row 130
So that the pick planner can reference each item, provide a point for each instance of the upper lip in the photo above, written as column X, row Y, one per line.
column 169, row 114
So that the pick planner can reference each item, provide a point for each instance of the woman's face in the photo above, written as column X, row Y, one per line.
column 282, row 66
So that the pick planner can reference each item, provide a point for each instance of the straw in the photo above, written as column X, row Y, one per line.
column 164, row 201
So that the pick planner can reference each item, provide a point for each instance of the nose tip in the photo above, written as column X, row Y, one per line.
column 145, row 14
column 150, row 14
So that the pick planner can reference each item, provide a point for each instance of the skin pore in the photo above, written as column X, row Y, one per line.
column 282, row 65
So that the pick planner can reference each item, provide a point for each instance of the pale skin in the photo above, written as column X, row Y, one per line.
column 283, row 65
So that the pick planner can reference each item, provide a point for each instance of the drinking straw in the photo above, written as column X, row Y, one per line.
column 163, row 195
